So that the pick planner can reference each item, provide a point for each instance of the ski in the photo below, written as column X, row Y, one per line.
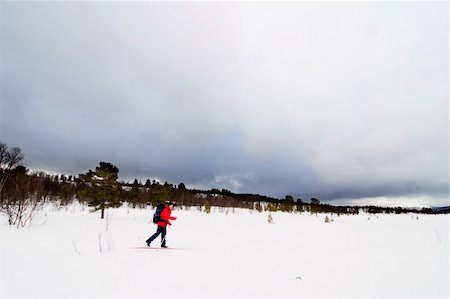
column 160, row 248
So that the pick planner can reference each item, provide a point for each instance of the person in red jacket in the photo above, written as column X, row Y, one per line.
column 162, row 230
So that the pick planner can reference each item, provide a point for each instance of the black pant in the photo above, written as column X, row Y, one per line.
column 161, row 230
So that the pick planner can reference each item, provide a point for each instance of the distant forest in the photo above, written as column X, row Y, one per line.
column 22, row 190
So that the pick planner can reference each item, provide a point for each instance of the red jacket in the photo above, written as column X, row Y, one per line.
column 165, row 215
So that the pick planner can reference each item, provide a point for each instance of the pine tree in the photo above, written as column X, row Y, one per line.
column 103, row 192
column 134, row 193
column 158, row 193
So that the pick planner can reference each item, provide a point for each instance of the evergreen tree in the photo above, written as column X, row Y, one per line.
column 315, row 201
column 103, row 192
column 158, row 194
column 134, row 193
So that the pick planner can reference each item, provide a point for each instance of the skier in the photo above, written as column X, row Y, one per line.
column 164, row 221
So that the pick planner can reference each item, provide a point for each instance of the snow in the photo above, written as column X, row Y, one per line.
column 72, row 253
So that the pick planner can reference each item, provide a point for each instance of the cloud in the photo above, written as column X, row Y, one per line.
column 312, row 99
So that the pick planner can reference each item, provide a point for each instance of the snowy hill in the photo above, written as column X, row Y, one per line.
column 228, row 254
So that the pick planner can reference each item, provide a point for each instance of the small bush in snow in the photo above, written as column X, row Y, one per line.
column 207, row 207
column 270, row 218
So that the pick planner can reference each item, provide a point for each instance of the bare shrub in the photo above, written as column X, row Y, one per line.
column 9, row 160
column 23, row 196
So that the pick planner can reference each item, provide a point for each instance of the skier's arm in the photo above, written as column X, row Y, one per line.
column 168, row 216
column 165, row 216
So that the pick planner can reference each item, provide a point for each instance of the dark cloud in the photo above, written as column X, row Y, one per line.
column 334, row 100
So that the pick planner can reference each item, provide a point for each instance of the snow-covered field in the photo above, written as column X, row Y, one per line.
column 72, row 253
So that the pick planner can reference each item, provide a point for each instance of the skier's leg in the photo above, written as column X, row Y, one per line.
column 163, row 236
column 154, row 236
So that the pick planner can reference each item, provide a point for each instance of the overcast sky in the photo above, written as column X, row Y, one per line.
column 332, row 99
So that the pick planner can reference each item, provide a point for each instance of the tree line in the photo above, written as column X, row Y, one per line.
column 23, row 192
